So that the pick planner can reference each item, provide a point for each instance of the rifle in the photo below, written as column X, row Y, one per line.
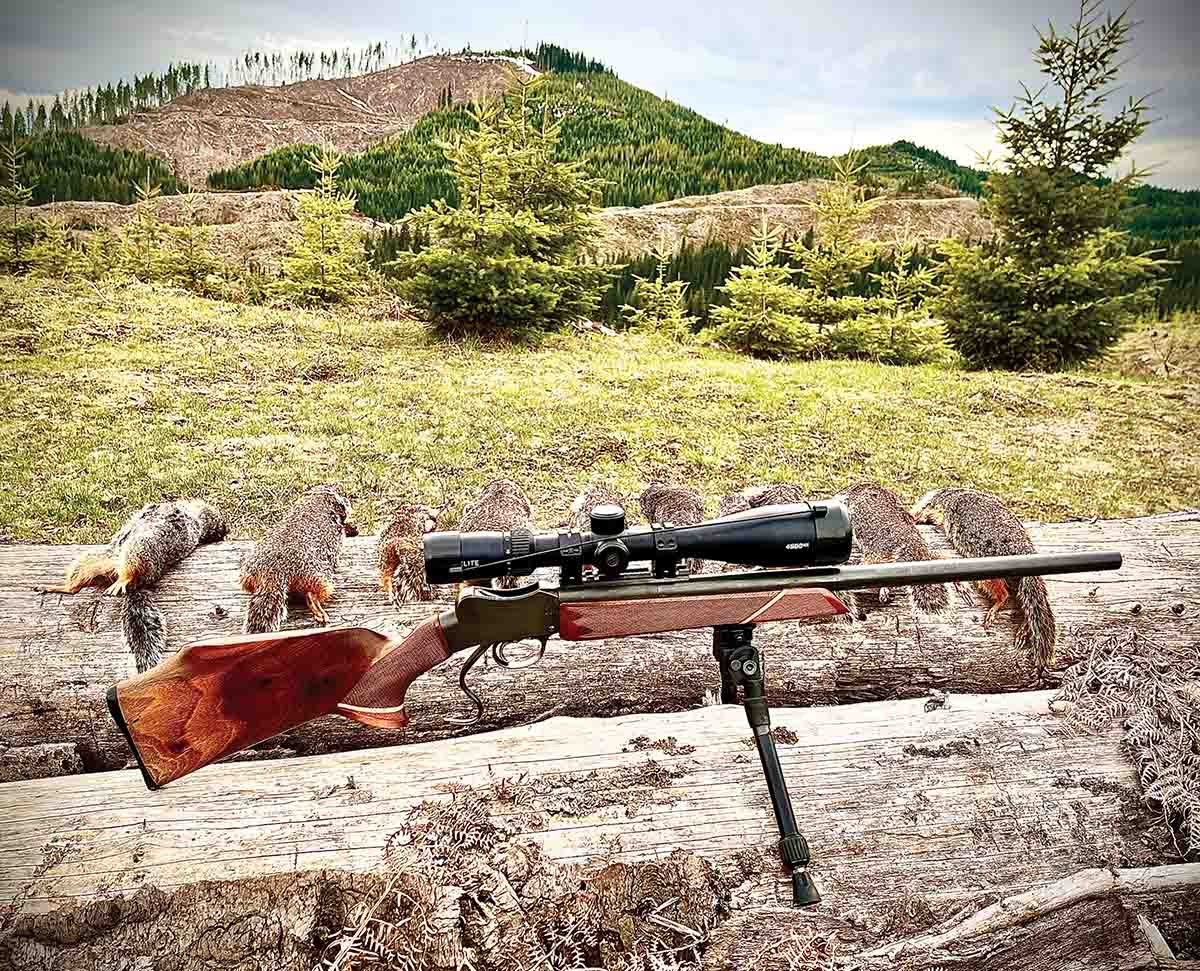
column 217, row 697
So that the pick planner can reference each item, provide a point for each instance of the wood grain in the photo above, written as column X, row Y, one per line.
column 985, row 796
column 218, row 697
column 59, row 654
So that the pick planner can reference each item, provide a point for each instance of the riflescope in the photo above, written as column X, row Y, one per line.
column 793, row 535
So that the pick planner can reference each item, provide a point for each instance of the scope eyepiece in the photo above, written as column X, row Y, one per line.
column 793, row 535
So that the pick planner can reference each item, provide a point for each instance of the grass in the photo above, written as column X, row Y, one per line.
column 122, row 394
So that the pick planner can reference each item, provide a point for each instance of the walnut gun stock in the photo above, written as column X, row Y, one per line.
column 218, row 697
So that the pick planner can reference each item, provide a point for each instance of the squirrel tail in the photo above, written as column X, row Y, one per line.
column 142, row 624
column 1036, row 633
column 930, row 598
column 267, row 610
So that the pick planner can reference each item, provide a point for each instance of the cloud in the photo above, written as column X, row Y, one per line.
column 819, row 75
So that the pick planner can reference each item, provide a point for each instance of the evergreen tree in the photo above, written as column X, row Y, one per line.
column 142, row 253
column 18, row 230
column 760, row 318
column 55, row 254
column 660, row 306
column 325, row 261
column 510, row 257
column 831, row 266
column 191, row 261
column 1060, row 287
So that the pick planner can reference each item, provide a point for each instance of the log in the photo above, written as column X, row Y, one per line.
column 58, row 654
column 653, row 824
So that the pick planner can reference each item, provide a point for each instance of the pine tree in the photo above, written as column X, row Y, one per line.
column 512, row 256
column 18, row 230
column 760, row 318
column 830, row 267
column 191, row 260
column 55, row 254
column 660, row 306
column 142, row 238
column 1060, row 286
column 325, row 261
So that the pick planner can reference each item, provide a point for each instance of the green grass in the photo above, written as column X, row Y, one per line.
column 119, row 395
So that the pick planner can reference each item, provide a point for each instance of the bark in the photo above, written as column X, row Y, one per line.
column 651, row 830
column 59, row 654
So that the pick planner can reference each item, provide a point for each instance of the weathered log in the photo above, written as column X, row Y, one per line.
column 985, row 795
column 58, row 654
column 1091, row 919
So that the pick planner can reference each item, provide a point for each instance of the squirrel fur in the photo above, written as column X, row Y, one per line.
column 676, row 505
column 502, row 506
column 152, row 541
column 979, row 524
column 763, row 495
column 887, row 533
column 297, row 556
column 400, row 553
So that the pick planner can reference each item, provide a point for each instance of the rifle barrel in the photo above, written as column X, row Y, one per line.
column 846, row 577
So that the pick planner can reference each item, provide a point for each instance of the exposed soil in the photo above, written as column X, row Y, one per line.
column 220, row 127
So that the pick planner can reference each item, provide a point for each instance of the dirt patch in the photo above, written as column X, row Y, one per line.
column 734, row 217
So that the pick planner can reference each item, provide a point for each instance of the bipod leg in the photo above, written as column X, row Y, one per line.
column 741, row 667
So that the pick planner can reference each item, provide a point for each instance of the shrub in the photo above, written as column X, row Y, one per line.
column 761, row 318
column 906, row 338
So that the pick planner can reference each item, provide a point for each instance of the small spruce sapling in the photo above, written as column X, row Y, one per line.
column 191, row 261
column 760, row 317
column 1060, row 286
column 55, row 254
column 839, row 256
column 18, row 230
column 142, row 253
column 660, row 305
column 325, row 261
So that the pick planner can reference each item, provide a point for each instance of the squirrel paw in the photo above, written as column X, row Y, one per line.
column 116, row 589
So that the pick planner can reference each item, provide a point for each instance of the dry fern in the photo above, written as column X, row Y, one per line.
column 1155, row 693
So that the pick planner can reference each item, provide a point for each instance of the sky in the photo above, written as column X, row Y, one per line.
column 823, row 76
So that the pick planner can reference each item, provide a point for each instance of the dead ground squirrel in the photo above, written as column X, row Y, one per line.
column 676, row 505
column 502, row 506
column 401, row 553
column 297, row 556
column 887, row 533
column 761, row 495
column 979, row 524
column 152, row 541
column 595, row 494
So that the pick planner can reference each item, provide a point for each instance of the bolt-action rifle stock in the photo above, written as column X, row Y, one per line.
column 217, row 697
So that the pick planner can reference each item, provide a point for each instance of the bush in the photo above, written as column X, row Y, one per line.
column 324, row 263
column 1004, row 313
column 907, row 338
column 660, row 306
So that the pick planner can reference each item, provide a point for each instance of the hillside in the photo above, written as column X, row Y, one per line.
column 217, row 128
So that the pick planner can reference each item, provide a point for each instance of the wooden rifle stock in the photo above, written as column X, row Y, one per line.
column 214, row 698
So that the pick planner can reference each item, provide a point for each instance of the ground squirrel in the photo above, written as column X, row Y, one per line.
column 887, row 533
column 503, row 506
column 763, row 495
column 152, row 541
column 401, row 553
column 593, row 495
column 978, row 524
column 676, row 505
column 297, row 556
